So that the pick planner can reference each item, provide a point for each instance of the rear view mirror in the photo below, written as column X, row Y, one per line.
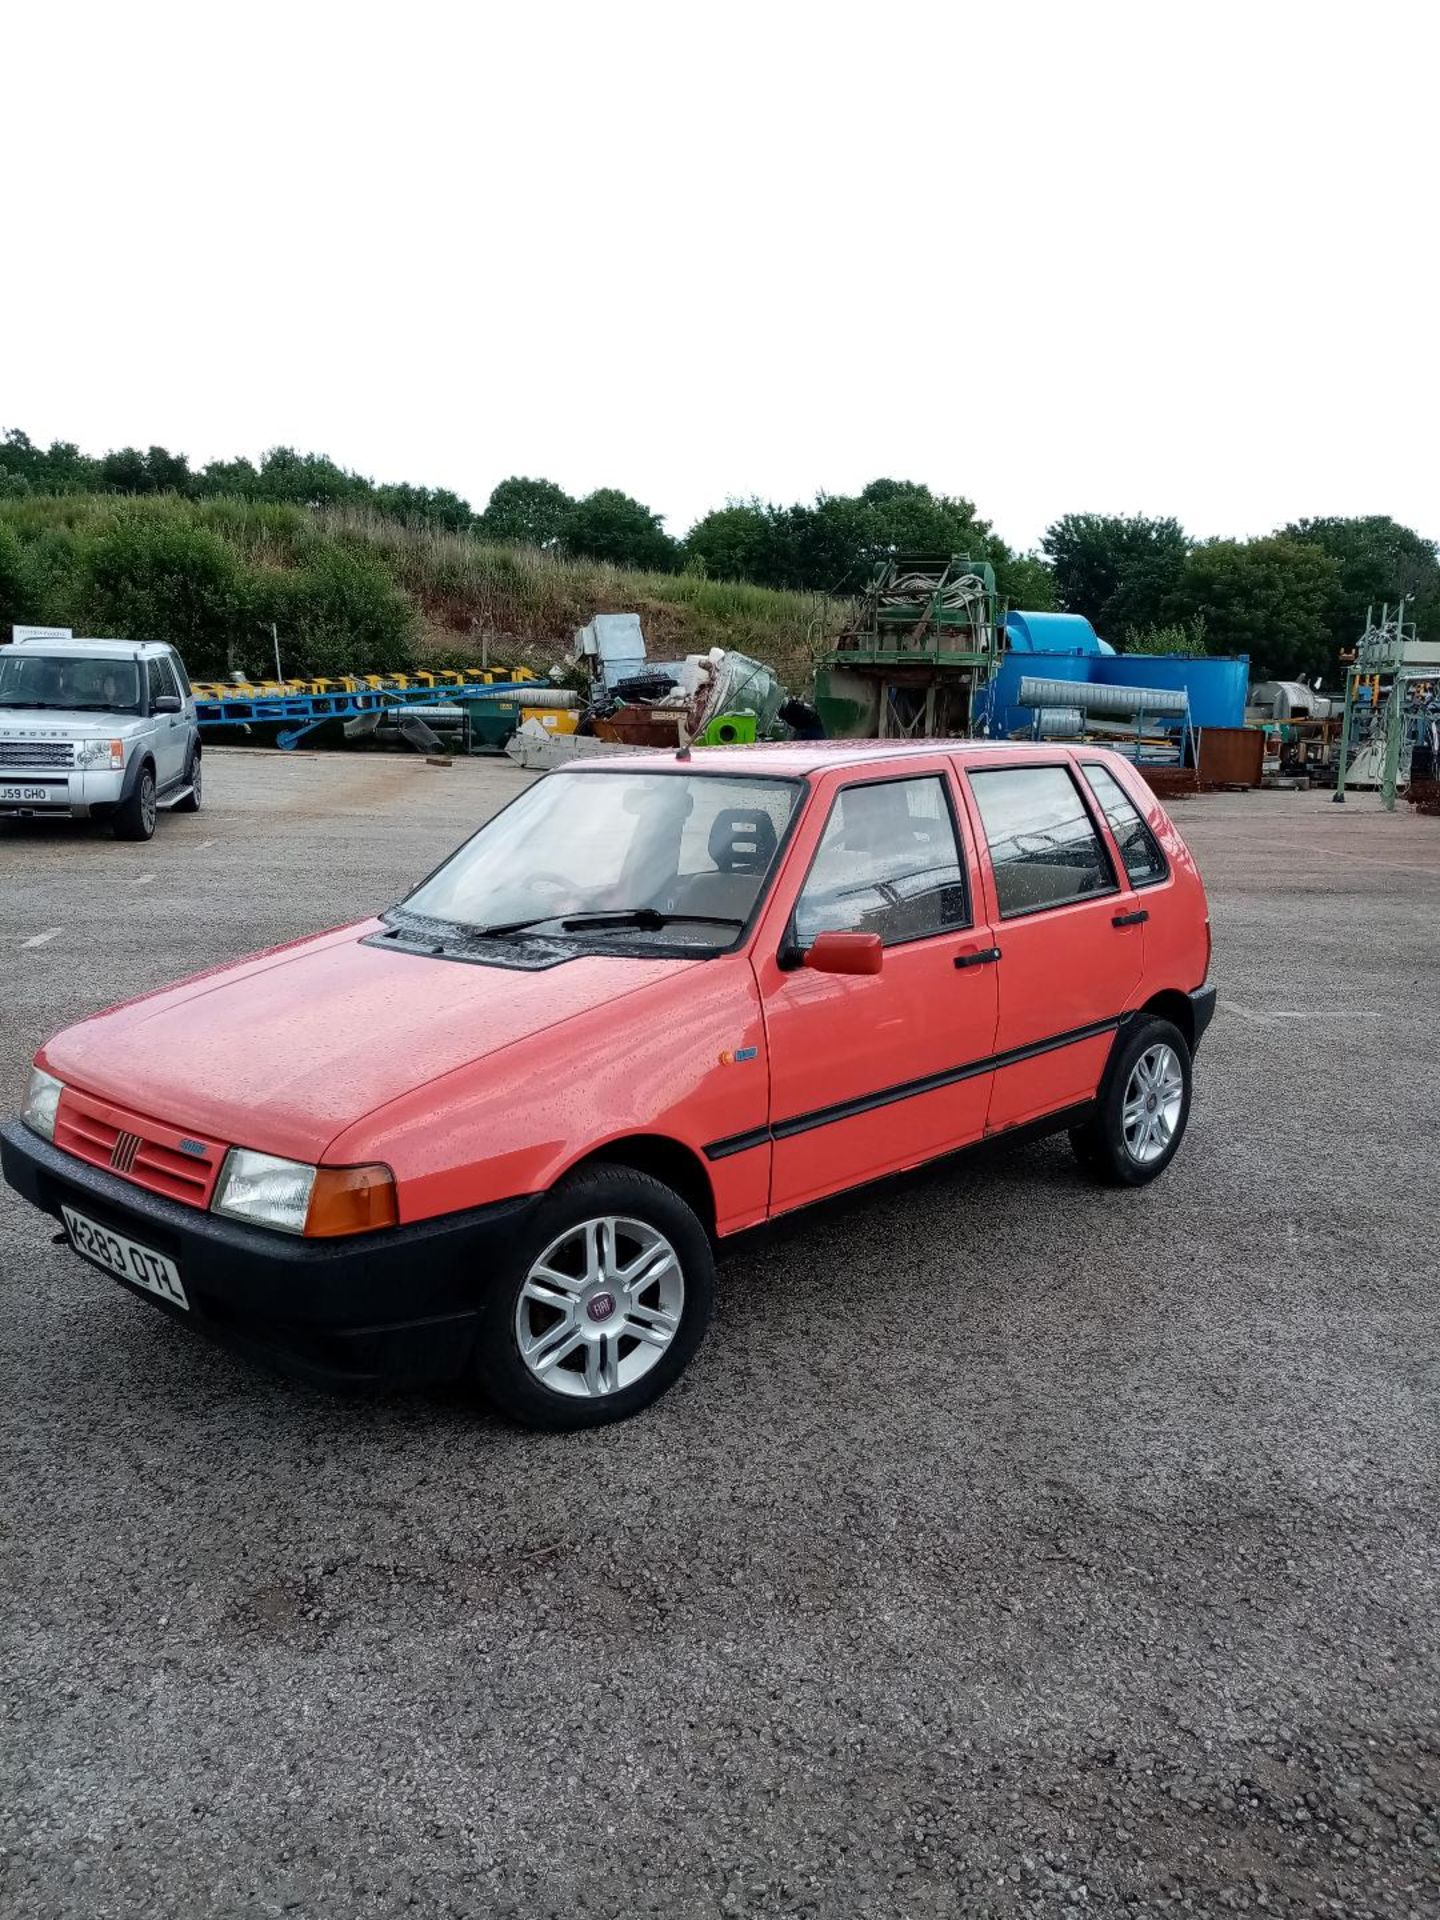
column 168, row 703
column 845, row 953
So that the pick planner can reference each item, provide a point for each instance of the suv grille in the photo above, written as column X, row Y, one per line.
column 36, row 753
column 140, row 1150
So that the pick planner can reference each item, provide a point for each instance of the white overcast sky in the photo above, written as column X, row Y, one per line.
column 1175, row 257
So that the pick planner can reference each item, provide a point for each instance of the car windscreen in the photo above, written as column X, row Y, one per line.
column 68, row 682
column 616, row 857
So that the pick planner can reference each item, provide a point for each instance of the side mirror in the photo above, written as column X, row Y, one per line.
column 845, row 953
column 167, row 703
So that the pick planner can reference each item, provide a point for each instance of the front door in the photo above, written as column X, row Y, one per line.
column 872, row 1073
column 1069, row 934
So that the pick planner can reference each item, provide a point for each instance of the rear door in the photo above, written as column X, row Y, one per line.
column 872, row 1073
column 1165, row 883
column 1064, row 916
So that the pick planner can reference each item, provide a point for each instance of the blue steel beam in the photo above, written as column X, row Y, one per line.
column 311, row 710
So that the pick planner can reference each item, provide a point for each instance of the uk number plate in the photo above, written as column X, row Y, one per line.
column 27, row 796
column 117, row 1254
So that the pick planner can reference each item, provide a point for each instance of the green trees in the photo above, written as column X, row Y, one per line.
column 58, row 468
column 17, row 584
column 160, row 577
column 1379, row 561
column 832, row 545
column 1120, row 573
column 609, row 525
column 158, row 471
column 526, row 513
column 338, row 613
column 1269, row 598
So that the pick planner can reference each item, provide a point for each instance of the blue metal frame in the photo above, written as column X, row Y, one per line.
column 312, row 710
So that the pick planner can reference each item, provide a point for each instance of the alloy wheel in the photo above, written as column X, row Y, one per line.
column 1154, row 1095
column 599, row 1307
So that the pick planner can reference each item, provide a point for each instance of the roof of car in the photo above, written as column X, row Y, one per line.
column 792, row 757
column 100, row 649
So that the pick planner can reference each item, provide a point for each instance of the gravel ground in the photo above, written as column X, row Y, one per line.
column 1011, row 1547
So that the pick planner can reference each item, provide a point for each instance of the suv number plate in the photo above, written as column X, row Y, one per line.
column 118, row 1255
column 24, row 796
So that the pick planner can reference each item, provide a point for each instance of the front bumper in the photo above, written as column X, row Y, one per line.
column 396, row 1308
column 49, row 791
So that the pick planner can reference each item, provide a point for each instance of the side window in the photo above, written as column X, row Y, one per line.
column 182, row 679
column 160, row 677
column 1139, row 848
column 888, row 863
column 1043, row 843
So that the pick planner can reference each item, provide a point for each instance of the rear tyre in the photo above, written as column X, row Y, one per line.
column 602, row 1305
column 1143, row 1109
column 191, row 802
column 134, row 819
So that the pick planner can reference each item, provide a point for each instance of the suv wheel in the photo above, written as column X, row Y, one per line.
column 134, row 818
column 1141, row 1115
column 191, row 802
column 605, row 1300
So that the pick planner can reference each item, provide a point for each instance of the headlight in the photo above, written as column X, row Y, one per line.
column 264, row 1189
column 42, row 1097
column 100, row 753
column 319, row 1201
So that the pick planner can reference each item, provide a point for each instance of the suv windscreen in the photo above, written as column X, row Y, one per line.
column 68, row 682
column 662, row 846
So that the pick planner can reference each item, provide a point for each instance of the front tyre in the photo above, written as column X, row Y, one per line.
column 134, row 819
column 1141, row 1116
column 603, row 1302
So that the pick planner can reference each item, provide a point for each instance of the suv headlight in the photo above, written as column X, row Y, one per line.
column 42, row 1097
column 321, row 1202
column 100, row 753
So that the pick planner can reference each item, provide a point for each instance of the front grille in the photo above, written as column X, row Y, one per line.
column 140, row 1150
column 36, row 753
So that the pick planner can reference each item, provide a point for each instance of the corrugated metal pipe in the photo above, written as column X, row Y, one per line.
column 1096, row 698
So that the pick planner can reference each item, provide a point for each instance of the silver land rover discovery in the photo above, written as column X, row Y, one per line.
column 97, row 728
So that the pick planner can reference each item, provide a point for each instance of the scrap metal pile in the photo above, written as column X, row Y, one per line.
column 708, row 699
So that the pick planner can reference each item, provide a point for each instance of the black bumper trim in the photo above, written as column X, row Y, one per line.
column 397, row 1307
column 1202, row 1012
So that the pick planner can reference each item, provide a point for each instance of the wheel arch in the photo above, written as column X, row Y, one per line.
column 1177, row 1008
column 145, row 758
column 665, row 1159
column 1169, row 1004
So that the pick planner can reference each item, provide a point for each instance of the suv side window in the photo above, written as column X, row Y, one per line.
column 177, row 667
column 889, row 862
column 157, row 671
column 1139, row 849
column 1043, row 843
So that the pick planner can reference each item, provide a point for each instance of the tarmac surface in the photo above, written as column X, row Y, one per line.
column 1012, row 1546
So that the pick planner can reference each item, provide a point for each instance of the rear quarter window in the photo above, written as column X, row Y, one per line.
column 1139, row 849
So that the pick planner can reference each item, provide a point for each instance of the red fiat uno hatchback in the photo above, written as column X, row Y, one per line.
column 656, row 1000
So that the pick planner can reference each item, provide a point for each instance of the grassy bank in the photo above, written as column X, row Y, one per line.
column 349, row 589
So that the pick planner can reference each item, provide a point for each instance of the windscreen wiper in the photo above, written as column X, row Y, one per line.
column 648, row 919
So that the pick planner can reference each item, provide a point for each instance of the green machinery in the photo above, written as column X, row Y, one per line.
column 1392, row 695
column 923, row 639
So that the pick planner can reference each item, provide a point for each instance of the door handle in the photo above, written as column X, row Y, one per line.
column 1130, row 919
column 982, row 957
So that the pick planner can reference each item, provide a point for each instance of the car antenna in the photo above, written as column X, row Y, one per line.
column 683, row 753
